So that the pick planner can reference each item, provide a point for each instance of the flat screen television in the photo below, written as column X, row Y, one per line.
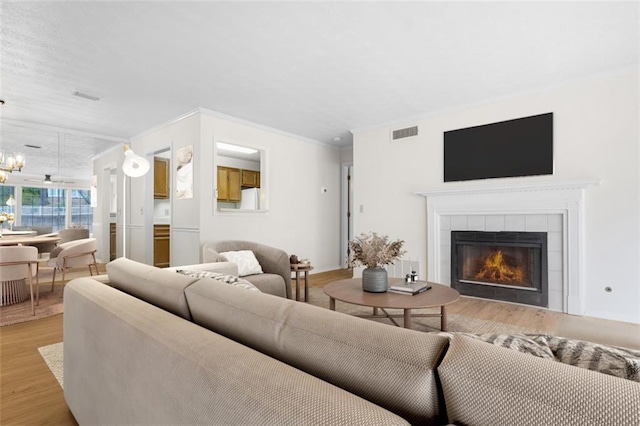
column 520, row 147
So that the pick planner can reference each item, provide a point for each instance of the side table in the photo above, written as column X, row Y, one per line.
column 298, row 268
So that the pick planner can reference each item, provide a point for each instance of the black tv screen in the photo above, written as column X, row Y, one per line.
column 520, row 147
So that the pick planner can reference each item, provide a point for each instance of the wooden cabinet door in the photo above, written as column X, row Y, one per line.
column 229, row 184
column 223, row 184
column 251, row 178
column 161, row 246
column 112, row 241
column 234, row 185
column 160, row 178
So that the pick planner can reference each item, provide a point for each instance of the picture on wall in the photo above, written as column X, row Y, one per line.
column 184, row 172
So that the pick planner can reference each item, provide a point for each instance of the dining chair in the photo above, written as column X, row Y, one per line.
column 16, row 265
column 74, row 254
column 71, row 234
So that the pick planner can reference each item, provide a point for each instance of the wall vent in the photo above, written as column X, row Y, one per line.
column 404, row 133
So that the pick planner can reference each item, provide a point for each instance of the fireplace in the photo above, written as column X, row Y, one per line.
column 508, row 266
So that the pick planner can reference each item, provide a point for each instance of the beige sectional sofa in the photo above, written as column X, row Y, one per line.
column 157, row 347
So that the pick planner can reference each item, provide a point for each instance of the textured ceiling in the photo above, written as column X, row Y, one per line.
column 315, row 69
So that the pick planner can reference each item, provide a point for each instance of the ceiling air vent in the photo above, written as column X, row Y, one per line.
column 404, row 133
column 85, row 96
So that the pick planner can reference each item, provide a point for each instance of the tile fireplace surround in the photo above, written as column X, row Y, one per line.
column 556, row 207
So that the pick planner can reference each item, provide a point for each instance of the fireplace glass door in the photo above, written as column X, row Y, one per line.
column 498, row 265
column 509, row 266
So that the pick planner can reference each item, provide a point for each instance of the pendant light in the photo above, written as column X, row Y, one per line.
column 134, row 165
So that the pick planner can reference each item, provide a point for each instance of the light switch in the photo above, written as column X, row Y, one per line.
column 361, row 208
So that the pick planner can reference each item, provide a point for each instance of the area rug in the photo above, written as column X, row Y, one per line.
column 52, row 355
column 455, row 322
column 50, row 304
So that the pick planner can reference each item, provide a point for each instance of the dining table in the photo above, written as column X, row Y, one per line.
column 19, row 238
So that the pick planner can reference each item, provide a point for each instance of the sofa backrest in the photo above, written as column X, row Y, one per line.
column 392, row 367
column 130, row 363
column 162, row 288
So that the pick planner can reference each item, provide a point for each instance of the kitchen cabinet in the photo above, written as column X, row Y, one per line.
column 112, row 241
column 229, row 184
column 250, row 179
column 161, row 246
column 161, row 176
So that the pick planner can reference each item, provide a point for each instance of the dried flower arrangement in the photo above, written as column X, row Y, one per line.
column 372, row 250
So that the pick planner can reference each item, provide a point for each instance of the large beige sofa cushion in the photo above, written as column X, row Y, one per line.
column 159, row 287
column 488, row 385
column 130, row 363
column 391, row 367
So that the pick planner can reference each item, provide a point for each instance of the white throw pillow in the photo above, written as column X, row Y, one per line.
column 246, row 261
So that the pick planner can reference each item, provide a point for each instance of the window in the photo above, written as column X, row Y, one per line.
column 5, row 193
column 81, row 210
column 47, row 206
column 44, row 207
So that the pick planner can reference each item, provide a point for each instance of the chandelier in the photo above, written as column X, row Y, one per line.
column 9, row 163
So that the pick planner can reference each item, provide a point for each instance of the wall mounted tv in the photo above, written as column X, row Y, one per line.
column 520, row 147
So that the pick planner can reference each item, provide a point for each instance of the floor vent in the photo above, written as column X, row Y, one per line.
column 404, row 133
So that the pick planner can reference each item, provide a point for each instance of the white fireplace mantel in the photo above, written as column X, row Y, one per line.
column 564, row 197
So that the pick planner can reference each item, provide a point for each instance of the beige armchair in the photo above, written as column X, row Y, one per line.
column 73, row 254
column 18, row 263
column 274, row 262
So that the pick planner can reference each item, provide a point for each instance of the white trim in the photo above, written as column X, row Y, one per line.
column 166, row 123
column 184, row 229
column 244, row 122
column 559, row 197
column 542, row 185
column 108, row 151
column 264, row 127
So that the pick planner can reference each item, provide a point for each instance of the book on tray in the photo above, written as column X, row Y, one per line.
column 410, row 288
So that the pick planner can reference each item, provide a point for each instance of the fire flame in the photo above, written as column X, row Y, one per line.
column 497, row 270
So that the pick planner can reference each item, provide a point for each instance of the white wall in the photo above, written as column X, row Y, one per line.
column 300, row 219
column 595, row 136
column 109, row 189
column 185, row 218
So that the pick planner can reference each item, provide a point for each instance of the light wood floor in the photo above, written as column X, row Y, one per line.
column 523, row 316
column 596, row 330
column 30, row 395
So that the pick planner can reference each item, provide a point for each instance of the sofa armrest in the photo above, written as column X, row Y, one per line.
column 502, row 386
column 227, row 268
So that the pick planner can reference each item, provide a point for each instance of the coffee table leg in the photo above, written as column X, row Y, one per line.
column 443, row 318
column 332, row 303
column 306, row 286
column 407, row 318
column 297, row 285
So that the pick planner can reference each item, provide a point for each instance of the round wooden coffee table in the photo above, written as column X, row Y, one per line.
column 350, row 291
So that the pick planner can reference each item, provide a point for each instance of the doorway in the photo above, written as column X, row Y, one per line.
column 346, row 215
